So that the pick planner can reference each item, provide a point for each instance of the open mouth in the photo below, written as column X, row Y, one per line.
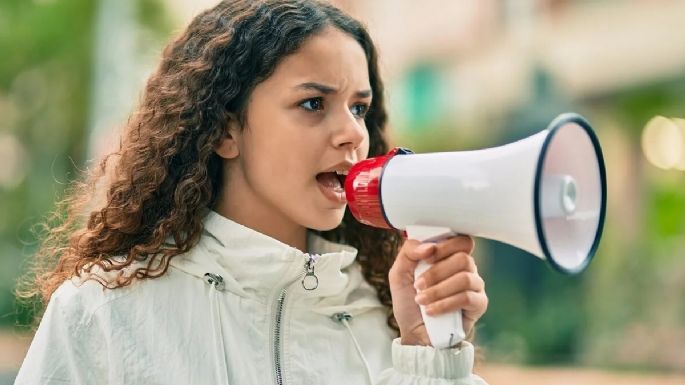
column 334, row 179
column 332, row 185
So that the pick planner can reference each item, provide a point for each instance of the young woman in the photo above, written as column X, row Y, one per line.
column 222, row 252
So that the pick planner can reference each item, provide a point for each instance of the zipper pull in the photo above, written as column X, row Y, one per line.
column 215, row 280
column 310, row 281
column 342, row 317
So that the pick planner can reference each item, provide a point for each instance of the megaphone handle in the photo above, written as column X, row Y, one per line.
column 446, row 329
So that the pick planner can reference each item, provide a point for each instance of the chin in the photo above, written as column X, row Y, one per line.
column 329, row 221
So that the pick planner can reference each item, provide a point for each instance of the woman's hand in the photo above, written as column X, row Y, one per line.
column 451, row 283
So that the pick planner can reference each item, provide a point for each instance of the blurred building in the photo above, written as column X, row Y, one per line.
column 484, row 57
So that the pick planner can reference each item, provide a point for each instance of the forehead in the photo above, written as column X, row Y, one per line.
column 331, row 56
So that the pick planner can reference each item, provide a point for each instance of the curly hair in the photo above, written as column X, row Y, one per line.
column 165, row 174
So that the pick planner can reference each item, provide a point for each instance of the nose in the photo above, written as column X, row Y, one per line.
column 350, row 132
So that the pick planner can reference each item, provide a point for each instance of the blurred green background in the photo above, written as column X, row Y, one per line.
column 459, row 76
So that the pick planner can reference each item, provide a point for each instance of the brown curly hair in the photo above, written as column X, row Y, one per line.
column 165, row 174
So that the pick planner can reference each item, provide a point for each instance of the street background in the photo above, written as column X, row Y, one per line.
column 460, row 75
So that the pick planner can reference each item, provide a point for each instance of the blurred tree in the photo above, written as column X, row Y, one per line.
column 44, row 80
column 45, row 90
column 636, row 287
column 528, row 297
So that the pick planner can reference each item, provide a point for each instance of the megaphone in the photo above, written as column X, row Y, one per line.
column 545, row 194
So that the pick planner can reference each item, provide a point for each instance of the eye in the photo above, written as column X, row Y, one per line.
column 360, row 109
column 313, row 104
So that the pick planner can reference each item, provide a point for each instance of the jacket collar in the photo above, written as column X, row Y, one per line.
column 231, row 233
column 253, row 264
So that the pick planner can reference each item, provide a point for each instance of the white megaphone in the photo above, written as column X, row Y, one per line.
column 545, row 194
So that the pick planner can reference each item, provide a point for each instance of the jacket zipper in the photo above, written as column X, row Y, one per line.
column 309, row 282
column 277, row 337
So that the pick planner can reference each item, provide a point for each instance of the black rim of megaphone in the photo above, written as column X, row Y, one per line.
column 553, row 127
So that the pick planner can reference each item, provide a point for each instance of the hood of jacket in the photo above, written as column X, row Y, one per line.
column 257, row 266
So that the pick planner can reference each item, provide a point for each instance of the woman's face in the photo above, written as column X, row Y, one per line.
column 305, row 120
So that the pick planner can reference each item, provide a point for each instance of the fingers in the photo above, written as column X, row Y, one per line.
column 453, row 286
column 417, row 251
column 450, row 284
column 412, row 251
column 472, row 303
column 445, row 268
column 447, row 247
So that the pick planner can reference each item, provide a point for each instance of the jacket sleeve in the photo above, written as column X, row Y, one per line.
column 425, row 365
column 58, row 354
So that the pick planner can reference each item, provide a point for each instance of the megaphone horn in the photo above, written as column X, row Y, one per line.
column 545, row 194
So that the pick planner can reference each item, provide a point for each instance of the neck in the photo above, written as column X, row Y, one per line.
column 267, row 221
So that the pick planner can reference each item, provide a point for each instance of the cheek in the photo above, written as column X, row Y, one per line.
column 284, row 163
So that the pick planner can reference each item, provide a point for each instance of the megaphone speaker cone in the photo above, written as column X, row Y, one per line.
column 570, row 194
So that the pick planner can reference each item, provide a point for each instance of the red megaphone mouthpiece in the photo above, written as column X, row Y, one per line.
column 363, row 189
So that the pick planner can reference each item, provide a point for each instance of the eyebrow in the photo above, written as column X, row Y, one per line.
column 324, row 89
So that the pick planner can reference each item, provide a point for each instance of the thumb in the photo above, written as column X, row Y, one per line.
column 408, row 258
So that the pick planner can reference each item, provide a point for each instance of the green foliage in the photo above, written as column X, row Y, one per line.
column 667, row 218
column 44, row 84
column 635, row 107
column 626, row 310
column 45, row 90
column 151, row 13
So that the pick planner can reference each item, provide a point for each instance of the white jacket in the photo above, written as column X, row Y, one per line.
column 234, row 311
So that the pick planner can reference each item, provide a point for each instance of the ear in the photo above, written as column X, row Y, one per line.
column 228, row 147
